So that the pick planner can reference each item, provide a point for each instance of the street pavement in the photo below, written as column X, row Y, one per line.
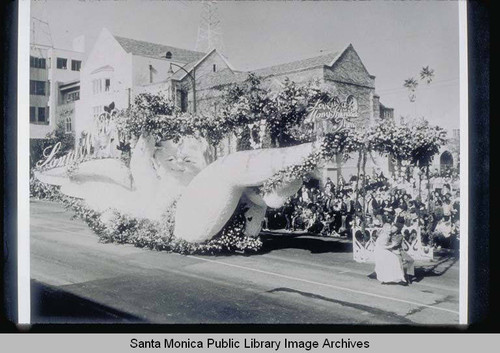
column 293, row 280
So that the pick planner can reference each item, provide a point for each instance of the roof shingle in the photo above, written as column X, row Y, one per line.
column 153, row 50
column 308, row 63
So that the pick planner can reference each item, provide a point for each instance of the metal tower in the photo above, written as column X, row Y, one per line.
column 210, row 29
column 40, row 33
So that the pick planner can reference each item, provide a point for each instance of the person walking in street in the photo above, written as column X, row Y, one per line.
column 388, row 267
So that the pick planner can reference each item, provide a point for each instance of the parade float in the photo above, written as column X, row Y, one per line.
column 154, row 177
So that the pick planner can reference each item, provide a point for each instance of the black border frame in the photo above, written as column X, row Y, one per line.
column 483, row 306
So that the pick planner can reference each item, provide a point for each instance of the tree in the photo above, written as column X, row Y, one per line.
column 245, row 104
column 426, row 142
column 284, row 111
column 411, row 84
column 149, row 114
column 427, row 74
column 60, row 134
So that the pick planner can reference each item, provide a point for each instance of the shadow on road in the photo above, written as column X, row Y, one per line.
column 437, row 269
column 54, row 305
column 389, row 316
column 314, row 244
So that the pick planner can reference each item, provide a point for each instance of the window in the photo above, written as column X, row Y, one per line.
column 76, row 65
column 73, row 96
column 41, row 115
column 38, row 63
column 214, row 67
column 152, row 71
column 32, row 114
column 96, row 86
column 37, row 88
column 62, row 63
column 67, row 124
column 96, row 111
column 184, row 101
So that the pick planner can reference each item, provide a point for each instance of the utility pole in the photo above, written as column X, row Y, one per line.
column 210, row 28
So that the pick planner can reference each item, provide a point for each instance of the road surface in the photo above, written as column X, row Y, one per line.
column 294, row 279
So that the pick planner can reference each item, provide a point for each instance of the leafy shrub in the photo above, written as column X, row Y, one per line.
column 42, row 191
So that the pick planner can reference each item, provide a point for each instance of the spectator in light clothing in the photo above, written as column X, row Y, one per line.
column 305, row 195
column 447, row 207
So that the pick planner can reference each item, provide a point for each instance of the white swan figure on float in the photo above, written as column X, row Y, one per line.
column 161, row 172
column 157, row 172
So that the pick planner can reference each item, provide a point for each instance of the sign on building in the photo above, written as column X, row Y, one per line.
column 332, row 116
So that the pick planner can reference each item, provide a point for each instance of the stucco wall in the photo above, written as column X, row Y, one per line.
column 57, row 76
column 106, row 60
column 39, row 131
column 208, row 82
column 154, row 88
column 141, row 72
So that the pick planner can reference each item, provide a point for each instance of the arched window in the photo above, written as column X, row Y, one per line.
column 445, row 161
column 352, row 104
column 67, row 124
column 168, row 55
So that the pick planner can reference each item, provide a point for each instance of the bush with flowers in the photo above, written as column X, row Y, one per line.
column 341, row 142
column 158, row 235
column 112, row 226
column 42, row 191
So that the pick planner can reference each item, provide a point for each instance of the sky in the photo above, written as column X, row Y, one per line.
column 394, row 39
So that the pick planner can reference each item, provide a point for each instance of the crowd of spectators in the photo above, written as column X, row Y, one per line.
column 334, row 209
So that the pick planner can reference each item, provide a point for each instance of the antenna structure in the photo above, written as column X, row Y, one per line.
column 210, row 28
column 40, row 33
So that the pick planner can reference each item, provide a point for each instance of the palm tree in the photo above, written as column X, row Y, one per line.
column 411, row 84
column 427, row 74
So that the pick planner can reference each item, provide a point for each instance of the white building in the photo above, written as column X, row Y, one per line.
column 117, row 68
column 54, row 76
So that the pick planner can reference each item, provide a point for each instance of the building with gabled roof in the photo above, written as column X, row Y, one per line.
column 116, row 69
column 298, row 65
column 341, row 72
column 119, row 68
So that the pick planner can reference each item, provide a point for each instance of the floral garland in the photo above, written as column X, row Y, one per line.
column 144, row 233
column 340, row 142
column 113, row 226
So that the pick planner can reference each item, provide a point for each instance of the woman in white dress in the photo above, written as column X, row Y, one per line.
column 388, row 266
